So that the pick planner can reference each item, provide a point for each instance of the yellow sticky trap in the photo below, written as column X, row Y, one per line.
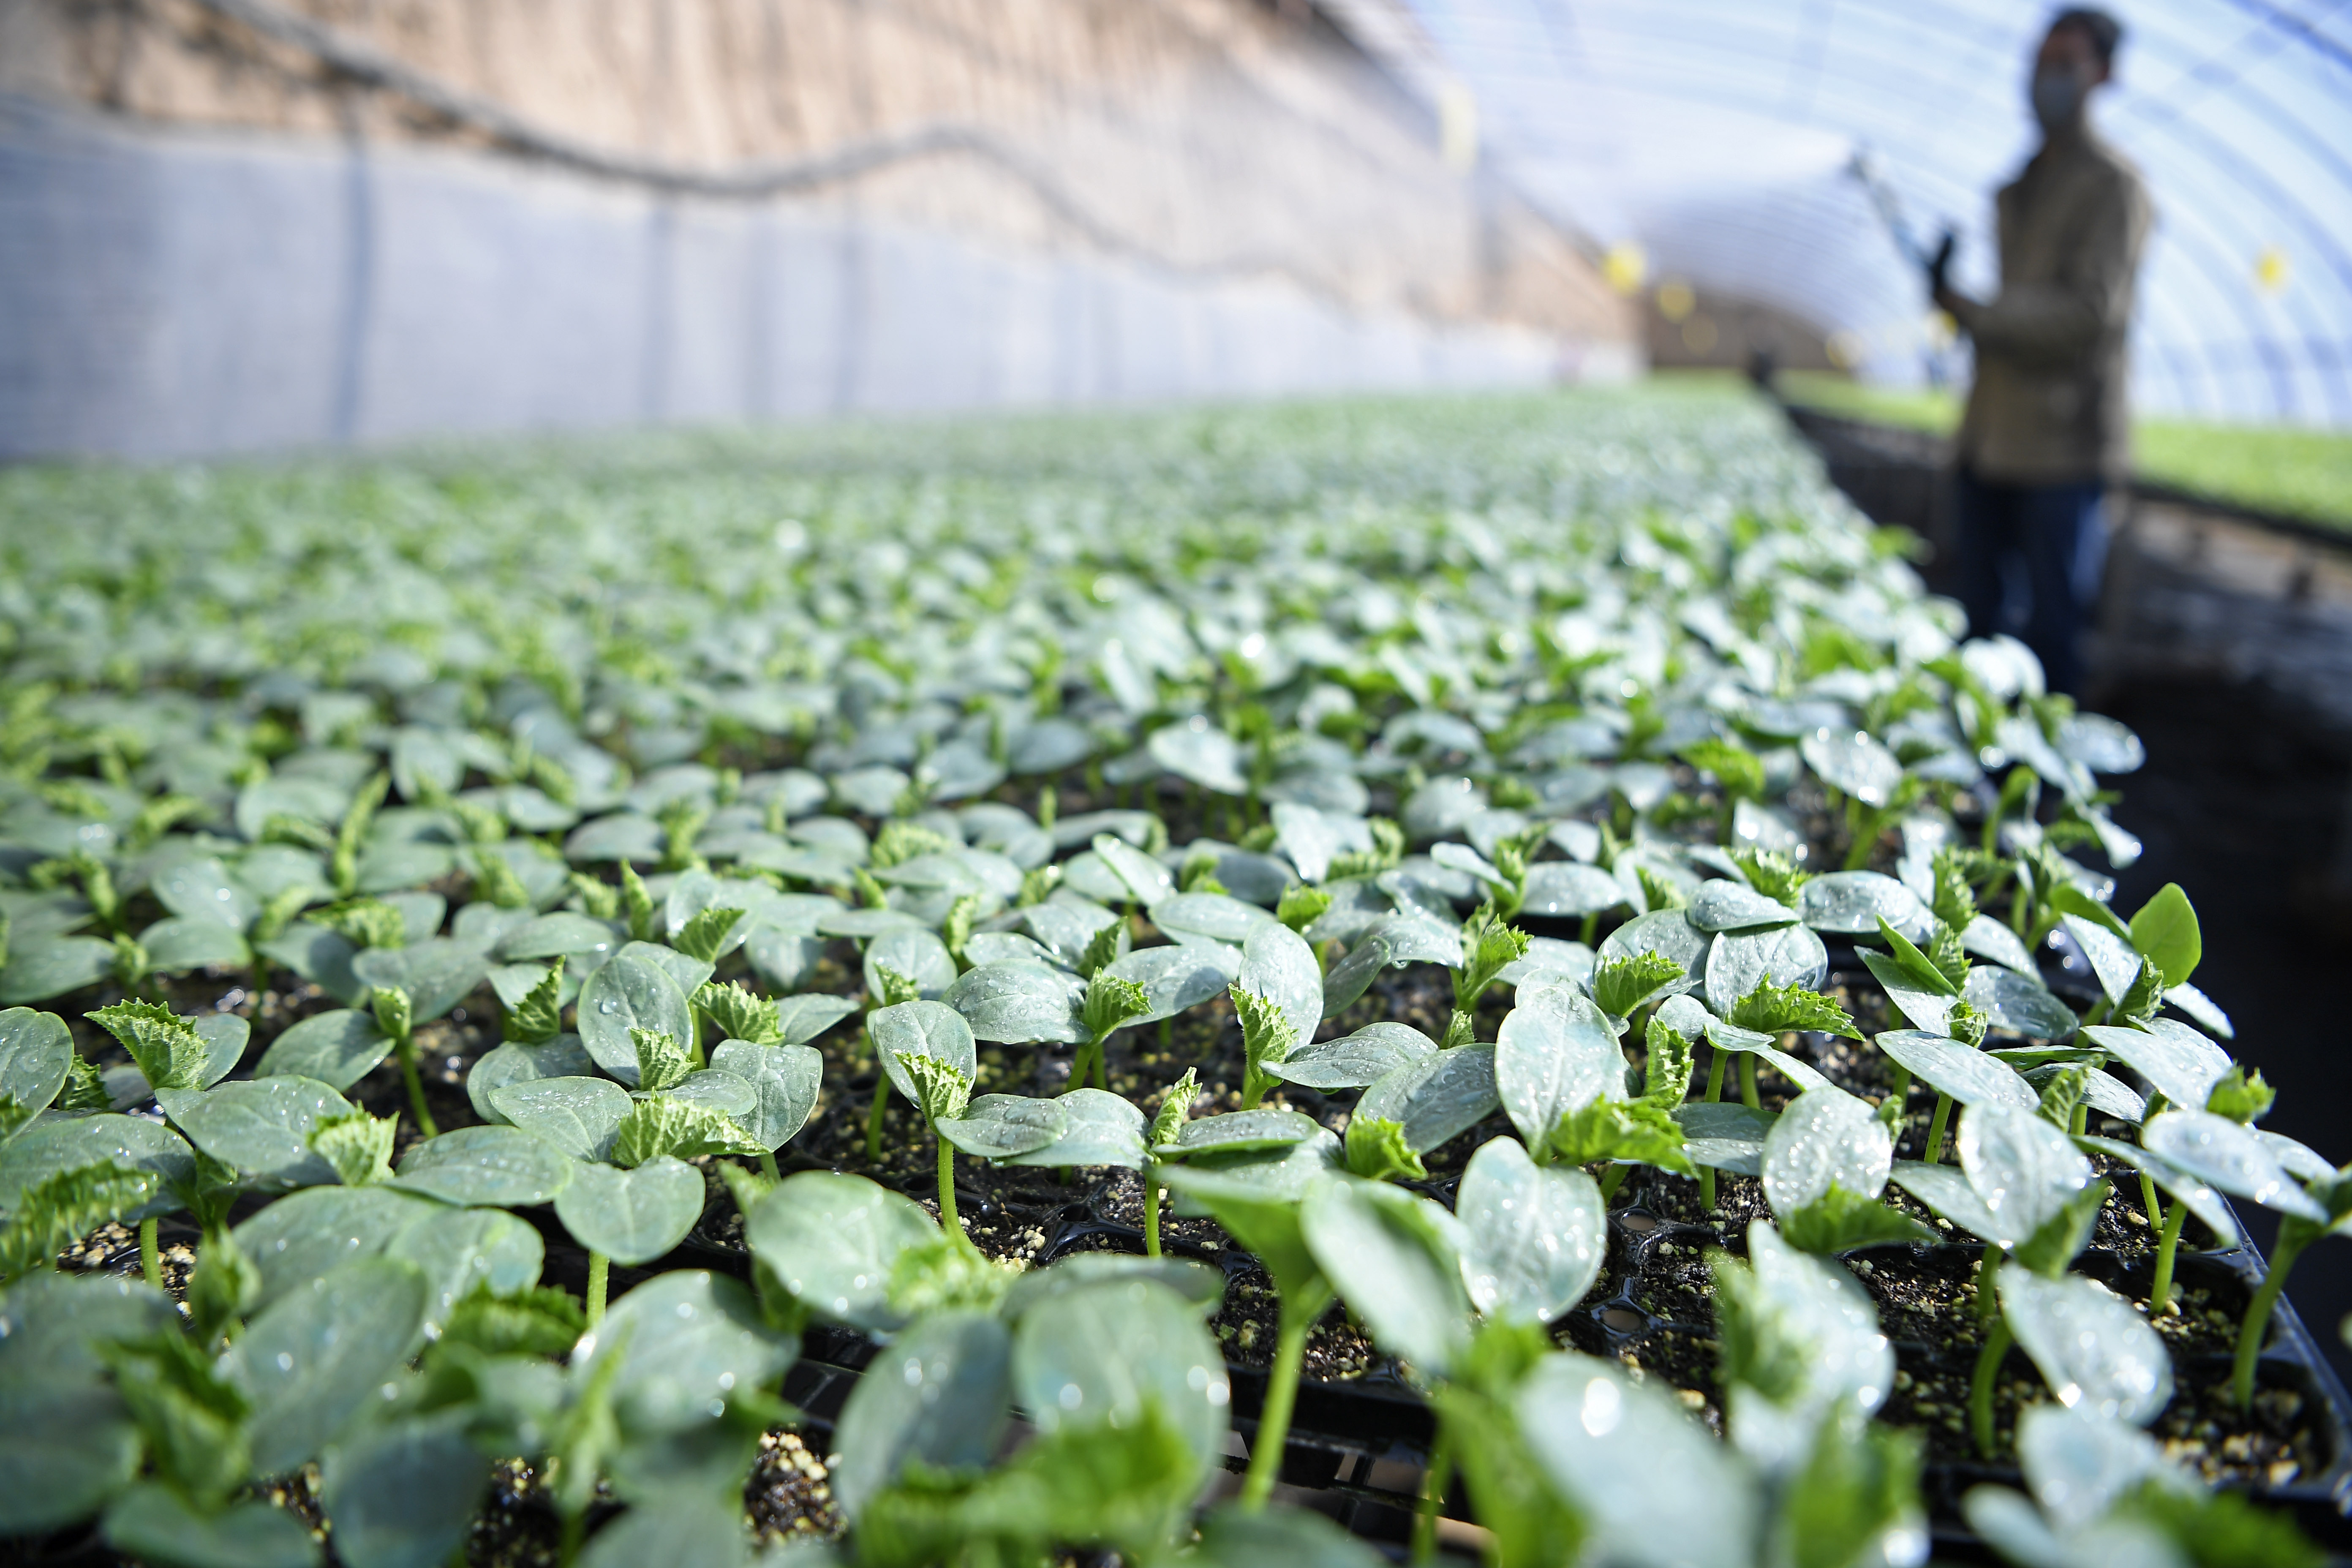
column 2271, row 270
column 1626, row 267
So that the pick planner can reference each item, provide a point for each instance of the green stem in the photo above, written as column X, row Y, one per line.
column 2148, row 1201
column 1989, row 1360
column 1434, row 1484
column 768, row 1166
column 1707, row 1188
column 2080, row 1121
column 1714, row 1074
column 600, row 1268
column 151, row 1263
column 2258, row 1318
column 1102, row 1066
column 1168, row 1034
column 575, row 1530
column 948, row 1219
column 2098, row 1013
column 1612, row 1182
column 1748, row 1097
column 1900, row 1096
column 1934, row 1154
column 1988, row 1296
column 874, row 1116
column 1150, row 1214
column 1591, row 928
column 405, row 1048
column 2161, row 1292
column 1274, row 1420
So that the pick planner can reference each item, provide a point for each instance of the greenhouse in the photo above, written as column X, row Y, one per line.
column 1212, row 783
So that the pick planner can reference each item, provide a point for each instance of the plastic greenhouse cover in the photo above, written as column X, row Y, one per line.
column 1719, row 137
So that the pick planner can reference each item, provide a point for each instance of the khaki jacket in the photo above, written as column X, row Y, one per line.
column 2048, row 406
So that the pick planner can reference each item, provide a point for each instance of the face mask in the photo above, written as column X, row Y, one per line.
column 2056, row 97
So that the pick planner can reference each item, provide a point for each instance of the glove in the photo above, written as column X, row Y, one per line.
column 1940, row 263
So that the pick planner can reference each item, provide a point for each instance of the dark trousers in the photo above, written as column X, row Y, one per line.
column 2029, row 559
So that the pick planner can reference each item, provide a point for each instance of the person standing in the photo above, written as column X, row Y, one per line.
column 2047, row 428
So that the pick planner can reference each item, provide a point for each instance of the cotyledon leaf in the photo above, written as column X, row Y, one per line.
column 688, row 1339
column 831, row 1239
column 496, row 1167
column 2224, row 1154
column 1437, row 1097
column 517, row 1062
column 1176, row 978
column 1354, row 1061
column 940, row 1395
column 1947, row 1067
column 785, row 1081
column 311, row 1358
column 261, row 1126
column 1279, row 965
column 1019, row 1002
column 1740, row 961
column 1533, row 1238
column 2094, row 1351
column 1103, row 1130
column 2178, row 1062
column 1555, row 1053
column 2026, row 1170
column 308, row 1235
column 577, row 1115
column 925, row 1029
column 337, row 1049
column 1100, row 1353
column 1725, row 1135
column 631, row 1217
column 630, row 992
column 1827, row 1136
column 455, row 1252
column 1000, row 1126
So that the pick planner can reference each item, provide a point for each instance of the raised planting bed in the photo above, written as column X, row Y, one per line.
column 1437, row 977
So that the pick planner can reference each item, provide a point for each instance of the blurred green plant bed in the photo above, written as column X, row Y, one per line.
column 2297, row 472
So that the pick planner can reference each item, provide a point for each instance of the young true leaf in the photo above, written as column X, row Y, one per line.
column 50, row 1214
column 2241, row 1096
column 644, row 921
column 1946, row 952
column 1771, row 873
column 193, row 1420
column 359, row 1146
column 366, row 923
column 1301, row 906
column 955, row 928
column 1739, row 770
column 1772, row 1009
column 1377, row 1150
column 1639, row 1131
column 1267, row 1037
column 941, row 1089
column 664, row 1124
column 894, row 988
column 705, row 936
column 662, row 1062
column 1668, row 1073
column 900, row 841
column 1842, row 1219
column 1622, row 985
column 537, row 1321
column 85, row 1088
column 1657, row 893
column 1109, row 1003
column 598, row 900
column 739, row 1014
column 1102, row 948
column 395, row 1015
column 1175, row 1109
column 1954, row 904
column 169, row 1051
column 1489, row 947
column 1916, row 966
column 538, row 1017
column 495, row 881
